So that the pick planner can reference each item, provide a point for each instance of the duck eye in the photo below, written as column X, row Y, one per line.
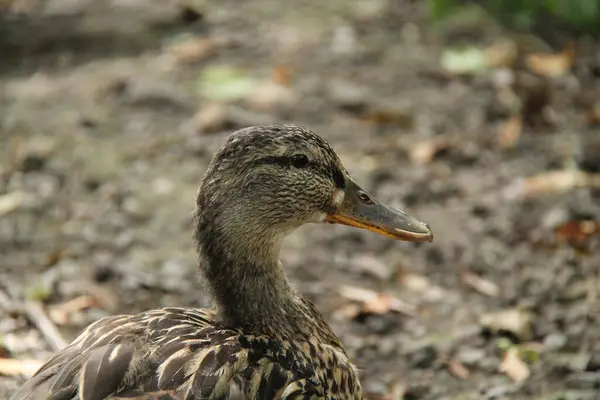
column 300, row 160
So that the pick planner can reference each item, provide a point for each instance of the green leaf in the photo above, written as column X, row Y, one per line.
column 464, row 60
column 225, row 83
column 439, row 9
column 529, row 355
column 504, row 344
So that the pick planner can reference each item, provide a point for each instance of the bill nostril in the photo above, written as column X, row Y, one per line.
column 365, row 198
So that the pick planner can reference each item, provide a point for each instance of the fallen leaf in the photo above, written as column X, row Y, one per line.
column 593, row 116
column 192, row 50
column 12, row 367
column 269, row 95
column 502, row 53
column 464, row 60
column 515, row 368
column 481, row 285
column 425, row 151
column 376, row 303
column 514, row 320
column 382, row 304
column 510, row 133
column 419, row 284
column 413, row 282
column 211, row 117
column 282, row 75
column 54, row 256
column 61, row 314
column 551, row 65
column 10, row 202
column 402, row 118
column 457, row 369
column 225, row 83
column 578, row 233
column 530, row 352
column 554, row 182
column 396, row 391
column 372, row 266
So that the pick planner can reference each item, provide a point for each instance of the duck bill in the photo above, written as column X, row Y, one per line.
column 361, row 210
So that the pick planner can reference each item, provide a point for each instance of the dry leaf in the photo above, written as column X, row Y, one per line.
column 515, row 368
column 10, row 202
column 372, row 266
column 282, row 75
column 54, row 256
column 502, row 53
column 269, row 96
column 513, row 320
column 211, row 118
column 376, row 303
column 554, row 182
column 404, row 119
column 397, row 391
column 420, row 284
column 193, row 50
column 457, row 369
column 510, row 132
column 12, row 367
column 593, row 116
column 382, row 304
column 481, row 285
column 578, row 233
column 424, row 152
column 551, row 65
column 61, row 314
column 413, row 282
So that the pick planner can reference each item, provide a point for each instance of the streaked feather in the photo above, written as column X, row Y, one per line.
column 183, row 354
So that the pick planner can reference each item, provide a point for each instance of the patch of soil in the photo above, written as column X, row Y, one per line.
column 107, row 128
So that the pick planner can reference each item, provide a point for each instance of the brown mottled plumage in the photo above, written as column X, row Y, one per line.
column 262, row 340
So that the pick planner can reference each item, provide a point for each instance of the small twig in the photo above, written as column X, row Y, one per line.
column 11, row 367
column 6, row 303
column 37, row 315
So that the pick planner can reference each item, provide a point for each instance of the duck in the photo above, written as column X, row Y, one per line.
column 261, row 339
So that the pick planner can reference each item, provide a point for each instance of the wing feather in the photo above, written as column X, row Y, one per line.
column 104, row 371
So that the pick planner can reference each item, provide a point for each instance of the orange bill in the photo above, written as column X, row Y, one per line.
column 361, row 210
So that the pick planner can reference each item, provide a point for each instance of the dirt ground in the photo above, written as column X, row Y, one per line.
column 109, row 114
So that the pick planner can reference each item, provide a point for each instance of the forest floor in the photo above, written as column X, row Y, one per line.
column 110, row 112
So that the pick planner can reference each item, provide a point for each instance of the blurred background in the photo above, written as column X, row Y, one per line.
column 480, row 118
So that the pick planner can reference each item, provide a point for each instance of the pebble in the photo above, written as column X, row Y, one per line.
column 555, row 341
column 155, row 93
column 347, row 95
column 584, row 380
column 471, row 356
column 424, row 357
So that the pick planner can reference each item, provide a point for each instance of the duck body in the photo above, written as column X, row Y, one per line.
column 262, row 339
column 184, row 353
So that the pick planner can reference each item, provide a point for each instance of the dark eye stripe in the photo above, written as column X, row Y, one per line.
column 287, row 162
column 284, row 161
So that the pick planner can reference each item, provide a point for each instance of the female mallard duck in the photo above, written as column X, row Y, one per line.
column 263, row 340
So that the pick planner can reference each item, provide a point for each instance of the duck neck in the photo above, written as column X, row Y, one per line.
column 241, row 267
